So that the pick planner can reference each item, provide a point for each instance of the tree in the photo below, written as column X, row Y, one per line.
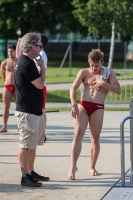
column 104, row 17
column 37, row 15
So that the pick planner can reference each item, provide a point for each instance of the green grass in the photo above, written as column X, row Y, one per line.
column 68, row 75
column 125, row 96
column 64, row 95
column 116, row 65
column 56, row 75
column 60, row 96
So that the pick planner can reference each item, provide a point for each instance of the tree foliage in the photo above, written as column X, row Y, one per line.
column 37, row 15
column 98, row 16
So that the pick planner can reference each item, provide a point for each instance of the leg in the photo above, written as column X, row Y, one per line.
column 26, row 159
column 6, row 96
column 23, row 157
column 27, row 126
column 44, row 105
column 45, row 121
column 80, row 126
column 33, row 174
column 28, row 130
column 95, row 123
column 41, row 129
column 32, row 154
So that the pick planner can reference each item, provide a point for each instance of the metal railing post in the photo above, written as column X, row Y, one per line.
column 131, row 142
column 122, row 151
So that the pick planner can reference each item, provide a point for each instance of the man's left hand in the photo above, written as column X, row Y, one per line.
column 97, row 84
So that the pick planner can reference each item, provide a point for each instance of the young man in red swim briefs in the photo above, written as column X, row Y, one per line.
column 7, row 72
column 96, row 81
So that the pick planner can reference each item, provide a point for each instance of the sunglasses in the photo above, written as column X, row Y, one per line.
column 38, row 45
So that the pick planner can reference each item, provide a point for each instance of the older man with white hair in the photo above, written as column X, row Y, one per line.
column 29, row 100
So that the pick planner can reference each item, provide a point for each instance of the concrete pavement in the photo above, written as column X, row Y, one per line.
column 53, row 159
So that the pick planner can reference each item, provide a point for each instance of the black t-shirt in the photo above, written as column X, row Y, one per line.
column 29, row 99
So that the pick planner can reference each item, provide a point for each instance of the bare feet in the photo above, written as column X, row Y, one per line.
column 3, row 130
column 71, row 175
column 93, row 172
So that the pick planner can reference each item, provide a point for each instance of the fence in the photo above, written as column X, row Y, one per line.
column 125, row 78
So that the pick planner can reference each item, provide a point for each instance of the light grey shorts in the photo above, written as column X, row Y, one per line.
column 31, row 129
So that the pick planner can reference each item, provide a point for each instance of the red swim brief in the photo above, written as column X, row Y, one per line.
column 90, row 107
column 11, row 88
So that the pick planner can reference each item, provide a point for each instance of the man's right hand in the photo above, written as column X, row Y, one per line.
column 40, row 61
column 75, row 112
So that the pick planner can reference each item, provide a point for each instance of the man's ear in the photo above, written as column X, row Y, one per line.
column 33, row 47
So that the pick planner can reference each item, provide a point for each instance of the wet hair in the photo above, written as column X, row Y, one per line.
column 12, row 46
column 96, row 55
column 29, row 40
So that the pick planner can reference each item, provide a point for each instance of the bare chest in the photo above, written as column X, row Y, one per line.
column 10, row 66
column 90, row 79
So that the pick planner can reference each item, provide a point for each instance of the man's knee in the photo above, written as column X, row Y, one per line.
column 78, row 136
column 95, row 140
column 7, row 107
